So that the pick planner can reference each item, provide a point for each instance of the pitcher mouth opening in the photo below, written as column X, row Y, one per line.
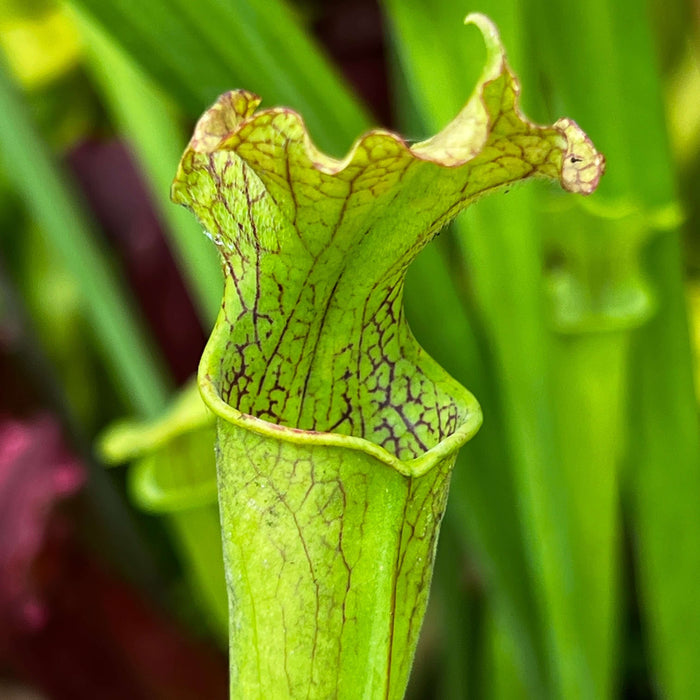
column 209, row 380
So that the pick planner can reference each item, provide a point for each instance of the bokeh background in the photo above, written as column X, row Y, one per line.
column 569, row 560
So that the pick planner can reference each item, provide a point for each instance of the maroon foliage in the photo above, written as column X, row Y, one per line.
column 66, row 625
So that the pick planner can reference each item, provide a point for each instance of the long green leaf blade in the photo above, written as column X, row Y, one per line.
column 201, row 50
column 145, row 118
column 48, row 197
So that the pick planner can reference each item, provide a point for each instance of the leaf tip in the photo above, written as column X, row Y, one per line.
column 582, row 165
column 494, row 46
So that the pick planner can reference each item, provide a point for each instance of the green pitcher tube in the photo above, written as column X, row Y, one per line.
column 336, row 433
column 598, row 296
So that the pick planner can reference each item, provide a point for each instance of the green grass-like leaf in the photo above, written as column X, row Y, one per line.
column 148, row 121
column 198, row 51
column 45, row 189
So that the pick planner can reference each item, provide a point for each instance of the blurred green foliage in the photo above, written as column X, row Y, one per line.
column 571, row 547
